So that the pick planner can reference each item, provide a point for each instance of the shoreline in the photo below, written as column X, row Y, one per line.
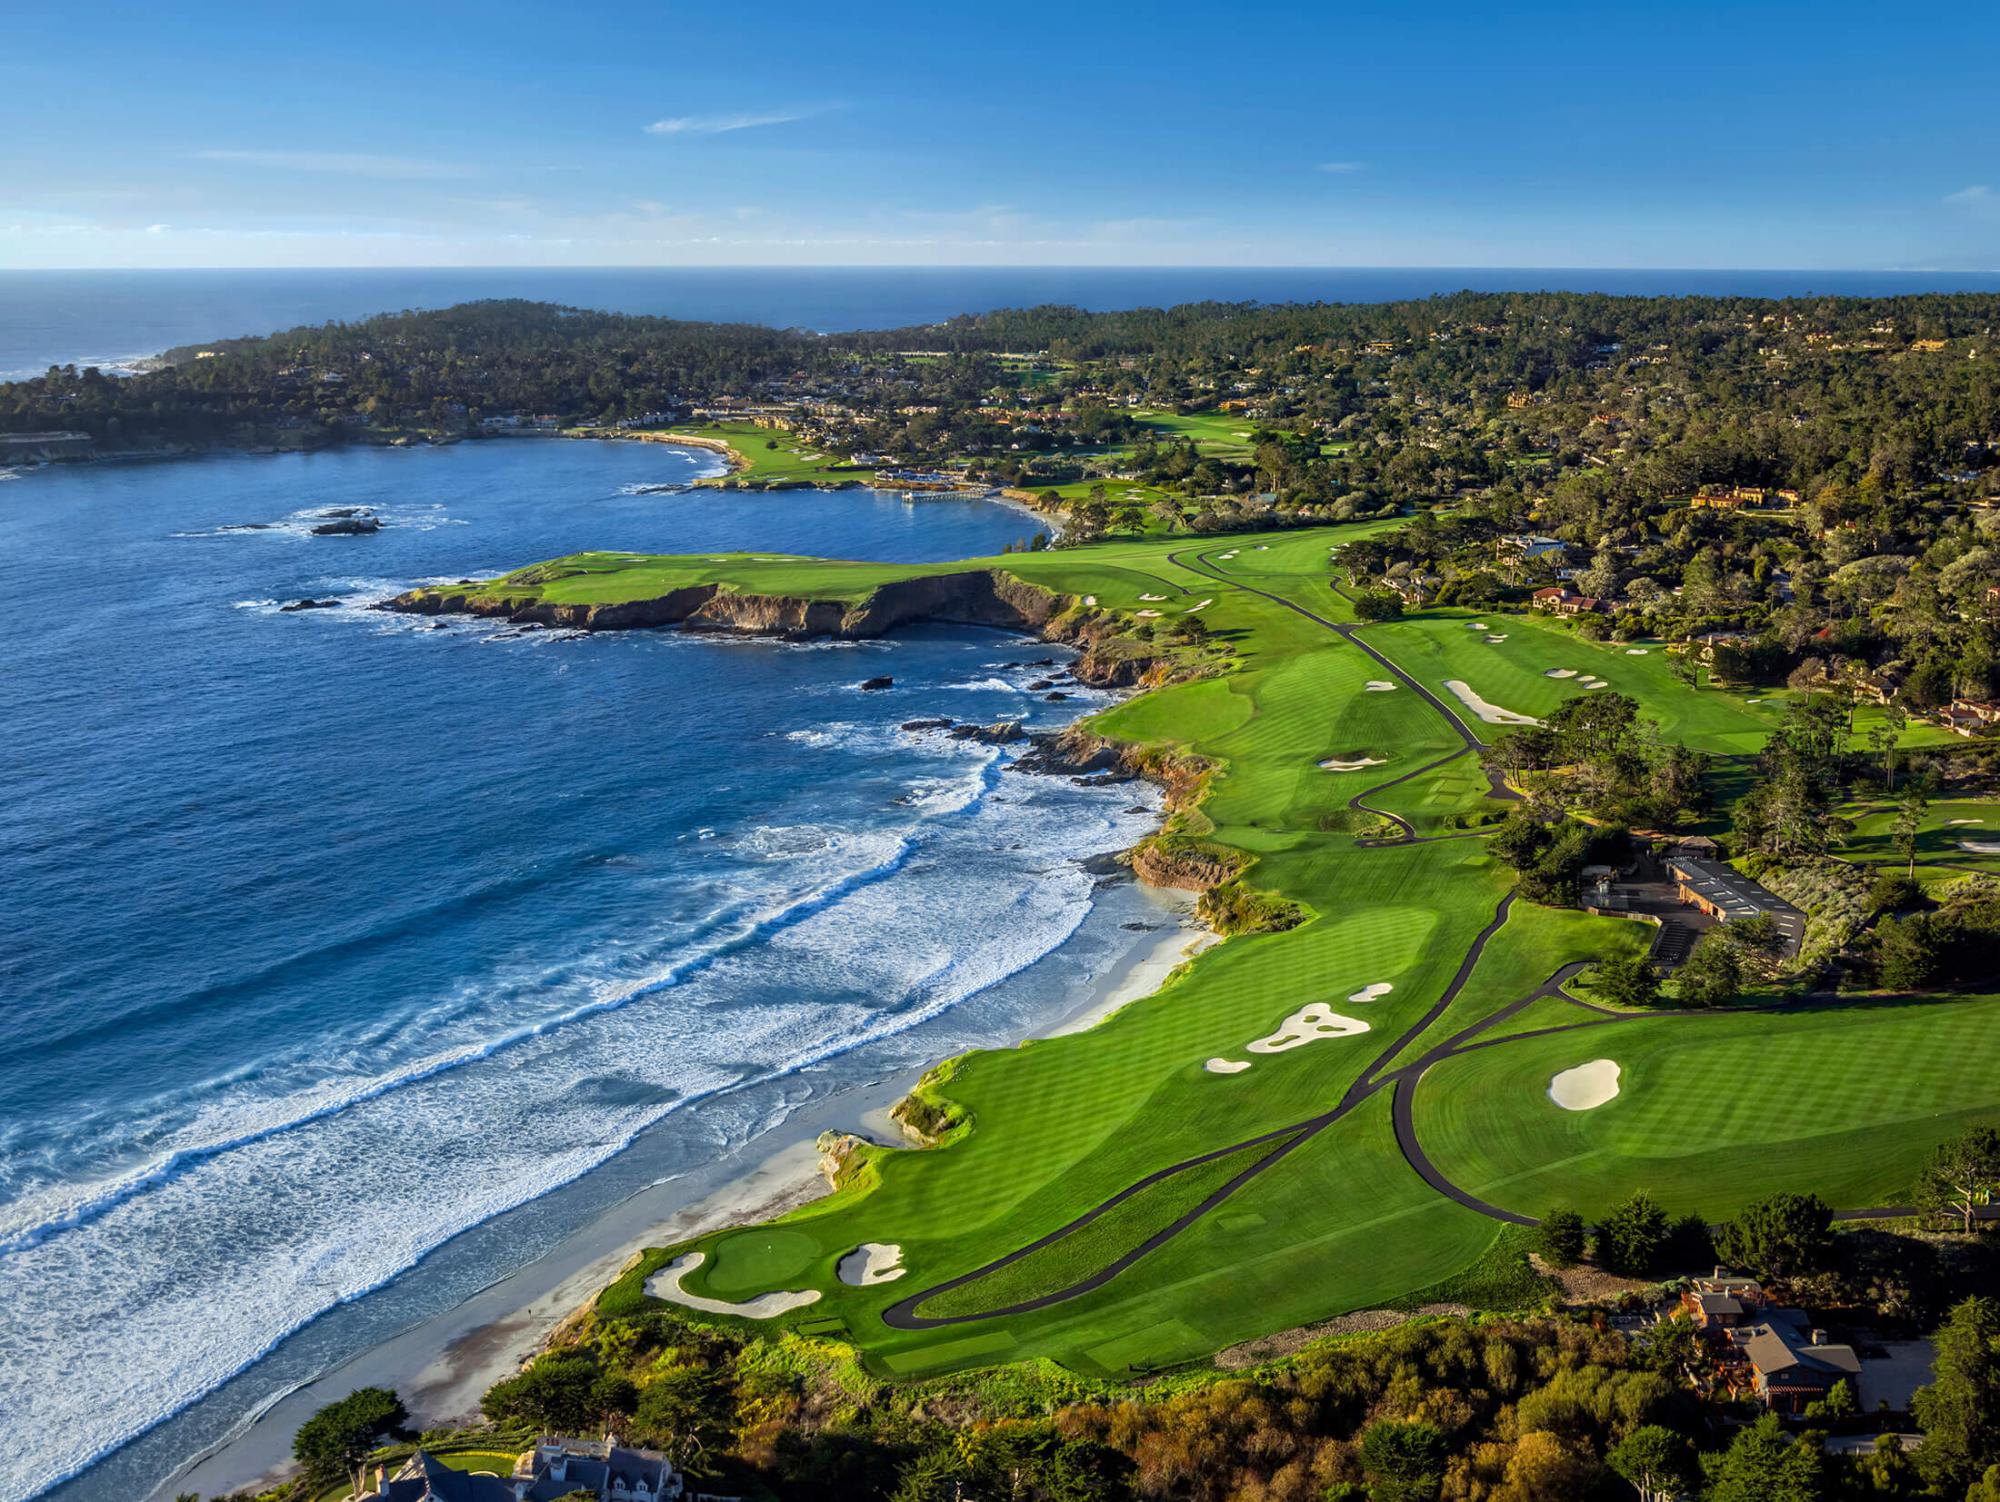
column 442, row 1364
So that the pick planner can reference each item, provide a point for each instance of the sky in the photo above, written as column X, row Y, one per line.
column 429, row 133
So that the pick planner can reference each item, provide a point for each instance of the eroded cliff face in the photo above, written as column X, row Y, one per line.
column 1160, row 864
column 976, row 597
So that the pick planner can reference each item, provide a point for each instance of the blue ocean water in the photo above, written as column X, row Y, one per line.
column 332, row 934
column 111, row 318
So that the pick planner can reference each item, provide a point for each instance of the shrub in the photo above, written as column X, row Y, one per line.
column 1633, row 1236
column 1559, row 1238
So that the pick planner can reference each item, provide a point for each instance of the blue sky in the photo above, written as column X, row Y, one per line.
column 419, row 133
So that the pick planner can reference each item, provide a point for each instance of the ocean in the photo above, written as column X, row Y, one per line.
column 113, row 318
column 334, row 934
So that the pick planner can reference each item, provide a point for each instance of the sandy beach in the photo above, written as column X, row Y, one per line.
column 443, row 1364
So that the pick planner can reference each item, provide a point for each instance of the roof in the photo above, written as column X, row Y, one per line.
column 427, row 1479
column 1782, row 1349
column 1718, row 1303
column 1737, row 896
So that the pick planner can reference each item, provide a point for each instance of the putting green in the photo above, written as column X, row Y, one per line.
column 1716, row 1110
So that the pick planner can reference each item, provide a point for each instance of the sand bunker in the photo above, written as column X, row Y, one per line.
column 1379, row 686
column 1152, row 597
column 1198, row 604
column 870, row 1263
column 1335, row 764
column 1148, row 615
column 1637, row 651
column 666, row 1284
column 1560, row 673
column 1965, row 821
column 1492, row 714
column 1226, row 1066
column 1090, row 599
column 1308, row 1024
column 1376, row 992
column 1479, row 626
column 1496, row 638
column 1585, row 1087
column 1981, row 847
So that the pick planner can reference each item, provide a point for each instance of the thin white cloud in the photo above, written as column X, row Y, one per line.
column 717, row 125
column 343, row 163
column 1340, row 166
column 1977, row 193
column 1980, row 202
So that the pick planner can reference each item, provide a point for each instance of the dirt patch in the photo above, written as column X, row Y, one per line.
column 1585, row 1284
column 1362, row 1322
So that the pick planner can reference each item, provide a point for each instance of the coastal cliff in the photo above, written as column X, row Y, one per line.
column 973, row 597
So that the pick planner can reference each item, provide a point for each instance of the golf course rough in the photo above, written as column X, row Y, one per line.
column 1019, row 1209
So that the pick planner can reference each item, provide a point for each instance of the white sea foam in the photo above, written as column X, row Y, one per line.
column 278, row 1208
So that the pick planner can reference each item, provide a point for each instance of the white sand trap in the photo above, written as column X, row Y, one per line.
column 1152, row 597
column 1965, row 821
column 1637, row 651
column 1492, row 714
column 1308, row 1024
column 1334, row 764
column 1379, row 686
column 870, row 1263
column 1090, row 599
column 1376, row 992
column 1148, row 615
column 1981, row 847
column 1198, row 605
column 1479, row 626
column 1263, row 547
column 666, row 1284
column 1560, row 673
column 1585, row 1087
column 1753, row 701
column 1496, row 638
column 1226, row 1066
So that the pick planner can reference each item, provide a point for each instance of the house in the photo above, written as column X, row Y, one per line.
column 554, row 1468
column 1727, row 894
column 1721, row 1302
column 1733, row 499
column 1790, row 1363
column 1970, row 716
column 1566, row 601
column 1529, row 545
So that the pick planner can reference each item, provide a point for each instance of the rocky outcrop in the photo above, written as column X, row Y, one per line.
column 348, row 526
column 671, row 609
column 837, row 1152
column 876, row 685
column 298, row 605
column 1190, row 868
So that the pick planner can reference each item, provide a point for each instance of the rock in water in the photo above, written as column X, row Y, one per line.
column 874, row 685
column 348, row 526
column 933, row 724
column 1000, row 733
column 310, row 605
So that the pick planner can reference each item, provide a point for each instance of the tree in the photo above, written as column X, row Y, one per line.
column 1711, row 975
column 1910, row 951
column 1559, row 1238
column 1959, row 1411
column 1405, row 1461
column 1627, row 980
column 1631, row 1236
column 334, row 1442
column 1766, row 1465
column 1961, row 1176
column 1378, row 605
column 1909, row 824
column 1655, row 1460
column 1780, row 1237
column 685, row 1411
column 557, row 1395
column 1884, row 738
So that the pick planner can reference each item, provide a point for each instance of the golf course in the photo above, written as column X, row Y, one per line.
column 1359, row 1110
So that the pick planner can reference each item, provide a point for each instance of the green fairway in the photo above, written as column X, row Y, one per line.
column 772, row 455
column 1057, row 1128
column 1715, row 1110
column 1956, row 836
